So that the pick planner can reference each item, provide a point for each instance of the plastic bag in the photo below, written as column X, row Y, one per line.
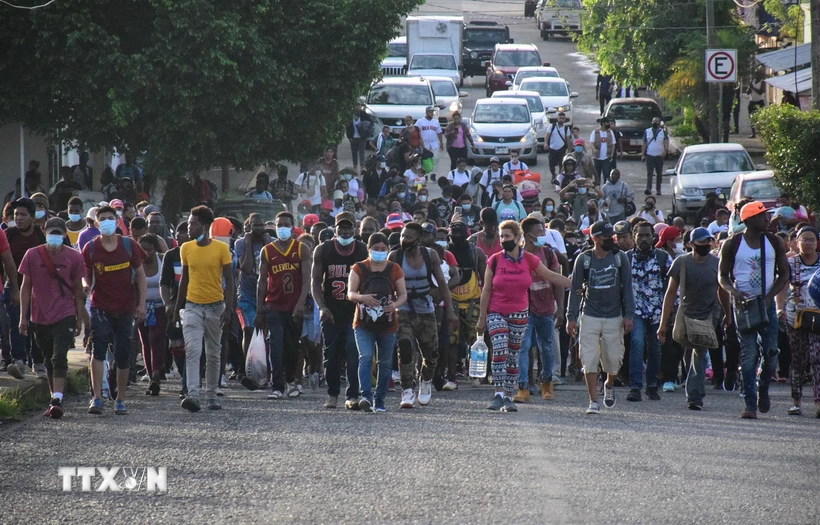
column 478, row 357
column 256, row 364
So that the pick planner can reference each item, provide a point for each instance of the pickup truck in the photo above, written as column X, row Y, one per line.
column 558, row 17
column 480, row 38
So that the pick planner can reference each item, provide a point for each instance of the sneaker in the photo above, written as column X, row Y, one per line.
column 380, row 406
column 352, row 404
column 748, row 414
column 145, row 378
column 669, row 386
column 153, row 388
column 729, row 384
column 55, row 409
column 213, row 404
column 365, row 405
column 609, row 396
column 496, row 404
column 764, row 403
column 557, row 380
column 119, row 408
column 396, row 376
column 191, row 404
column 223, row 382
column 695, row 406
column 408, row 398
column 314, row 381
column 652, row 393
column 634, row 395
column 450, row 386
column 96, row 406
column 522, row 396
column 391, row 385
column 509, row 406
column 40, row 371
column 249, row 383
column 294, row 390
column 795, row 411
column 593, row 408
column 17, row 369
column 331, row 402
column 276, row 394
column 219, row 392
column 425, row 392
column 183, row 394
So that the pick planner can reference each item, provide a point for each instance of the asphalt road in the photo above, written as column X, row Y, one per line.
column 260, row 461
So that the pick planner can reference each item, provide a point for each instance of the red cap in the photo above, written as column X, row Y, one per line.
column 309, row 220
column 394, row 221
column 578, row 142
column 327, row 205
column 670, row 233
column 297, row 231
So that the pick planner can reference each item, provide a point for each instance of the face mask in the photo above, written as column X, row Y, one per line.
column 422, row 198
column 383, row 165
column 466, row 207
column 39, row 214
column 514, row 160
column 199, row 239
column 579, row 149
column 679, row 246
column 655, row 125
column 108, row 227
column 702, row 250
column 458, row 240
column 509, row 245
column 12, row 224
column 400, row 195
column 607, row 244
column 541, row 240
column 582, row 190
column 119, row 213
column 378, row 257
column 443, row 244
column 74, row 217
column 54, row 240
column 283, row 233
column 549, row 209
column 345, row 242
column 348, row 176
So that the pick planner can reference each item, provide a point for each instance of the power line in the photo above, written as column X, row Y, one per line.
column 26, row 7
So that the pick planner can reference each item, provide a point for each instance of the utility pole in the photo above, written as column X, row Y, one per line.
column 713, row 113
column 814, row 10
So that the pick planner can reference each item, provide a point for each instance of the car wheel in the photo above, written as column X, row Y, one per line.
column 533, row 161
column 544, row 35
column 488, row 92
column 674, row 208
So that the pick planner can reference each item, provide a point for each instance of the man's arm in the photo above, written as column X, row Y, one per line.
column 182, row 293
column 299, row 311
column 668, row 305
column 142, row 290
column 445, row 291
column 11, row 274
column 627, row 297
column 79, row 306
column 575, row 289
column 261, row 290
column 316, row 281
column 725, row 270
column 25, row 303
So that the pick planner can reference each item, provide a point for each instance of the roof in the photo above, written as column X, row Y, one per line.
column 399, row 40
column 757, row 175
column 403, row 81
column 516, row 47
column 634, row 100
column 537, row 68
column 726, row 146
column 796, row 82
column 788, row 58
column 551, row 80
column 505, row 100
column 516, row 94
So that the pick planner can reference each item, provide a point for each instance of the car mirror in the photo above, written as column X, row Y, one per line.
column 546, row 64
column 667, row 117
column 511, row 41
column 669, row 172
column 761, row 167
column 552, row 110
column 440, row 106
column 486, row 63
column 462, row 94
column 508, row 83
column 538, row 121
column 574, row 94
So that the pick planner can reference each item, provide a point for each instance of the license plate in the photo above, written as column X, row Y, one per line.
column 502, row 151
column 397, row 131
column 635, row 142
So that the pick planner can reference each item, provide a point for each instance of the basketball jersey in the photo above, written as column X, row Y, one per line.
column 284, row 276
column 337, row 270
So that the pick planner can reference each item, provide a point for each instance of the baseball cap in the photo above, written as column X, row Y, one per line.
column 116, row 203
column 41, row 199
column 751, row 209
column 537, row 215
column 306, row 203
column 148, row 210
column 345, row 216
column 429, row 227
column 622, row 227
column 338, row 194
column 25, row 203
column 429, row 108
column 309, row 220
column 92, row 213
column 327, row 205
column 578, row 142
column 670, row 233
column 601, row 229
column 700, row 234
column 494, row 159
column 394, row 221
column 55, row 223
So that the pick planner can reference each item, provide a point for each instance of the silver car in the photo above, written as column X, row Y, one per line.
column 500, row 125
column 537, row 110
column 448, row 98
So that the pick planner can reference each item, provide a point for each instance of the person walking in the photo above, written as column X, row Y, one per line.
column 152, row 329
column 603, row 142
column 557, row 143
column 617, row 196
column 359, row 131
column 757, row 98
column 654, row 149
column 458, row 136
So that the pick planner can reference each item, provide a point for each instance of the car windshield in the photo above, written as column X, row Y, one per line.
column 517, row 58
column 487, row 37
column 530, row 74
column 433, row 62
column 567, row 3
column 396, row 49
column 400, row 95
column 501, row 114
column 532, row 101
column 443, row 88
column 546, row 89
column 715, row 162
column 762, row 189
column 644, row 112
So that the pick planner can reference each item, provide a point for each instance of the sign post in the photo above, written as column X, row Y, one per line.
column 721, row 67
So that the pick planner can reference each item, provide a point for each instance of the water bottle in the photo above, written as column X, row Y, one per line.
column 478, row 357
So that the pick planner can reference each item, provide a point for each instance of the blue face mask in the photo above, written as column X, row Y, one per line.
column 466, row 207
column 443, row 244
column 348, row 176
column 541, row 240
column 284, row 233
column 199, row 239
column 582, row 190
column 579, row 149
column 54, row 240
column 377, row 257
column 345, row 242
column 400, row 195
column 549, row 209
column 74, row 217
column 108, row 227
column 39, row 214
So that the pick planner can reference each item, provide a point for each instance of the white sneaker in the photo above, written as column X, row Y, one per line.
column 408, row 398
column 425, row 392
column 294, row 390
column 223, row 382
column 276, row 394
column 145, row 378
column 40, row 371
column 450, row 386
column 396, row 376
column 17, row 369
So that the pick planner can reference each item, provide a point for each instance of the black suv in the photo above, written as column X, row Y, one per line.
column 480, row 38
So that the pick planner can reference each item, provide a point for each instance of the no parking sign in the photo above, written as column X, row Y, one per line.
column 721, row 65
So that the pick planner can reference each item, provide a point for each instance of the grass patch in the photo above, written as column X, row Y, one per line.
column 15, row 403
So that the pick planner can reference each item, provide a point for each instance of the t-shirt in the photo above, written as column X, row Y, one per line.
column 715, row 228
column 111, row 274
column 603, row 135
column 458, row 178
column 51, row 300
column 609, row 287
column 510, row 279
column 4, row 241
column 654, row 139
column 264, row 196
column 171, row 272
column 542, row 299
column 481, row 243
column 313, row 186
column 205, row 270
column 430, row 130
column 798, row 295
column 74, row 236
column 699, row 295
column 248, row 282
column 513, row 211
column 747, row 268
column 395, row 275
column 86, row 235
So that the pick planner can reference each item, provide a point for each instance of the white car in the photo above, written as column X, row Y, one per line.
column 448, row 98
column 499, row 125
column 530, row 72
column 434, row 65
column 554, row 93
column 391, row 99
column 702, row 169
column 537, row 110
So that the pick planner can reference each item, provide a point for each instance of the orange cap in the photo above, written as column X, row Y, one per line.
column 221, row 227
column 751, row 209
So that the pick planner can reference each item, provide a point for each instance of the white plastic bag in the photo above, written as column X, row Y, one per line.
column 256, row 364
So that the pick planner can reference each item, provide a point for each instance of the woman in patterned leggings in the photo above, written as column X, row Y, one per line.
column 505, row 308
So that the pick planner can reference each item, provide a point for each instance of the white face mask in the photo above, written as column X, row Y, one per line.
column 679, row 246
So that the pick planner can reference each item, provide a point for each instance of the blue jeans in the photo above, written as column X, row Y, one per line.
column 644, row 333
column 752, row 344
column 539, row 329
column 339, row 341
column 366, row 341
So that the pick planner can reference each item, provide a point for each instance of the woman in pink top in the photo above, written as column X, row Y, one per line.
column 505, row 308
column 458, row 136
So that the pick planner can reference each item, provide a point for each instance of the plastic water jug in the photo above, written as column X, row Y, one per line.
column 478, row 357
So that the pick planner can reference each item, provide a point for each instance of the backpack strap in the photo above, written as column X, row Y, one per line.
column 52, row 270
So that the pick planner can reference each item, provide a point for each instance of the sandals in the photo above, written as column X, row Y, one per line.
column 795, row 411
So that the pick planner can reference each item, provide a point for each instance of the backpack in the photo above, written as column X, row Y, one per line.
column 380, row 285
column 126, row 243
column 428, row 265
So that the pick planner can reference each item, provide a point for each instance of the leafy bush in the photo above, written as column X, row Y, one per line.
column 792, row 139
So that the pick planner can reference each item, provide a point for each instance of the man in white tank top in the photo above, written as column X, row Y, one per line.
column 753, row 266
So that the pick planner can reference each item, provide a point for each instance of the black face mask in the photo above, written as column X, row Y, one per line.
column 702, row 250
column 592, row 211
column 458, row 240
column 607, row 244
column 655, row 125
column 509, row 245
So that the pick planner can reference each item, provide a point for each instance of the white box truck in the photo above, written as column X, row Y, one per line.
column 434, row 46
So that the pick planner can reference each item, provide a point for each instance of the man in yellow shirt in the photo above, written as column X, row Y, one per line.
column 76, row 222
column 205, row 263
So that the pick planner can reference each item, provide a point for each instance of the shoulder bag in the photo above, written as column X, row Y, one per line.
column 692, row 333
column 807, row 319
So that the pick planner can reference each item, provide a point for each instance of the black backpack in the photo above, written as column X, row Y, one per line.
column 378, row 284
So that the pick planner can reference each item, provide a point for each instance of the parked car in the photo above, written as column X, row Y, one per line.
column 506, row 60
column 480, row 38
column 391, row 99
column 554, row 93
column 395, row 63
column 499, row 125
column 448, row 98
column 537, row 110
column 529, row 72
column 756, row 184
column 702, row 169
column 633, row 116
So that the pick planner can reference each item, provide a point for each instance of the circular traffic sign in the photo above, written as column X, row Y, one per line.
column 715, row 67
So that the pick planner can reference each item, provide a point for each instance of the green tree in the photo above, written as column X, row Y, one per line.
column 791, row 138
column 194, row 83
column 790, row 16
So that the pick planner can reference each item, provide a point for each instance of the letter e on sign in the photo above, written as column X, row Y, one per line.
column 721, row 65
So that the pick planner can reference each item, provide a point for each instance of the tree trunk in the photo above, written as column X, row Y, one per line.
column 173, row 198
column 226, row 178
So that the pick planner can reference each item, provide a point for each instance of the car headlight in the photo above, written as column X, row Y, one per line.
column 473, row 55
column 561, row 108
column 476, row 136
column 692, row 191
column 454, row 105
column 530, row 136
